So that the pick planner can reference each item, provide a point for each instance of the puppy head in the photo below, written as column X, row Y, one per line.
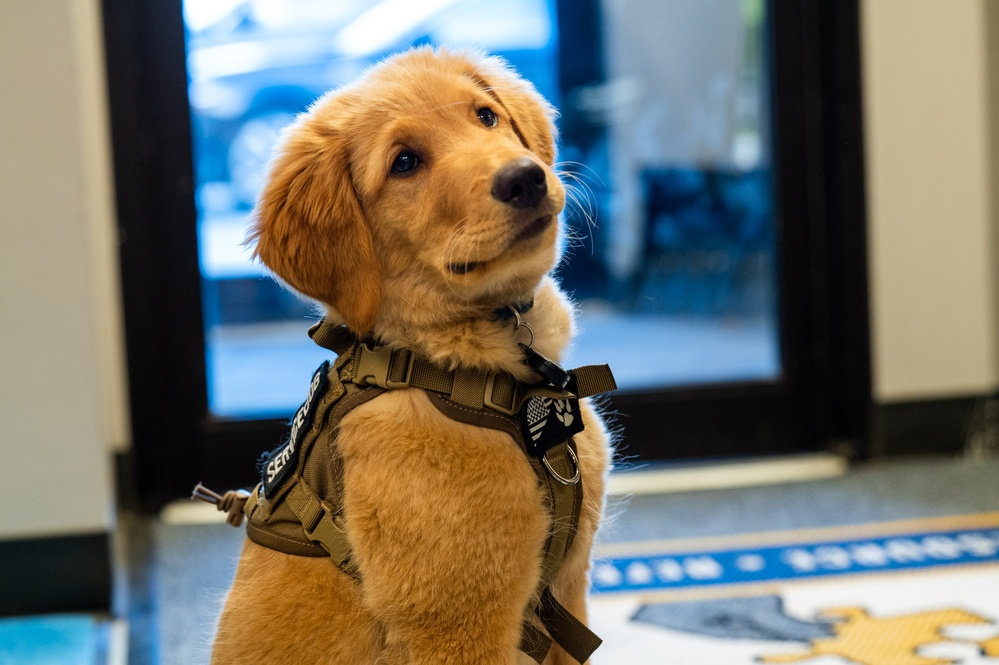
column 428, row 183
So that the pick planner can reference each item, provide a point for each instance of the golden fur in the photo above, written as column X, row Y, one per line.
column 447, row 521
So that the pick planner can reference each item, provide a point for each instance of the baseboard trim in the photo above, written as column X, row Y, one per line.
column 667, row 478
column 921, row 427
column 61, row 574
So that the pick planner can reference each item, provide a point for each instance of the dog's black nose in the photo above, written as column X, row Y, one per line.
column 521, row 183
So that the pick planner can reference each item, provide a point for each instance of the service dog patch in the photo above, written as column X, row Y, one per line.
column 547, row 422
column 275, row 466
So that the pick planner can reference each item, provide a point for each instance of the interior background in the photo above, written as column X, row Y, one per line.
column 931, row 92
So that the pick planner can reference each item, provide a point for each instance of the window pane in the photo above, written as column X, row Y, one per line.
column 665, row 148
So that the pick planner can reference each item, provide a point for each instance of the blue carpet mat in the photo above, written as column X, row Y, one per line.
column 59, row 639
column 920, row 592
column 772, row 558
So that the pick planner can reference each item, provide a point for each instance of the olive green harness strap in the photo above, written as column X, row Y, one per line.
column 561, row 479
column 468, row 395
column 401, row 368
column 321, row 524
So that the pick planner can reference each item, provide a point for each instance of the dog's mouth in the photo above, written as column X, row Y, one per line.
column 464, row 268
column 535, row 228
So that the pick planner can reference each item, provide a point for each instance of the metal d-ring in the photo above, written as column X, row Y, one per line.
column 556, row 475
column 519, row 323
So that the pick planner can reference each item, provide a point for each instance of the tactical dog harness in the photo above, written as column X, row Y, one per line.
column 297, row 507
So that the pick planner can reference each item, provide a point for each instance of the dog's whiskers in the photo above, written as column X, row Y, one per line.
column 569, row 168
column 578, row 191
column 581, row 203
column 574, row 238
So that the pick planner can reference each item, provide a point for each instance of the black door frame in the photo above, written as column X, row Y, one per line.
column 822, row 400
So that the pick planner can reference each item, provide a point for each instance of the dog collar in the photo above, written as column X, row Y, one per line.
column 506, row 313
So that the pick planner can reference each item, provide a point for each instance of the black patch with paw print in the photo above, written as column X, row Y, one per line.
column 547, row 422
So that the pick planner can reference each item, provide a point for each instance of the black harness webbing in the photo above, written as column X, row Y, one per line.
column 541, row 418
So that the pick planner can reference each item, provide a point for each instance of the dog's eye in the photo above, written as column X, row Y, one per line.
column 487, row 117
column 405, row 163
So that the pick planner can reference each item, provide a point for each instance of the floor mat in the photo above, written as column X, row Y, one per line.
column 188, row 568
column 62, row 639
column 905, row 593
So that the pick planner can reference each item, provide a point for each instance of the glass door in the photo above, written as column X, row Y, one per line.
column 666, row 151
column 705, row 163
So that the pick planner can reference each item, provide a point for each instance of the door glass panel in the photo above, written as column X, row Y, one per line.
column 665, row 146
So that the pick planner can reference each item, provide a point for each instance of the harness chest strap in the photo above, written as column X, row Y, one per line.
column 322, row 525
column 556, row 466
column 480, row 393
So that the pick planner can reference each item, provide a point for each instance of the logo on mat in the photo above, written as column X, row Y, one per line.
column 834, row 635
column 897, row 640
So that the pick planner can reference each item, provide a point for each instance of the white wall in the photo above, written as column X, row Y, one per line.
column 931, row 223
column 62, row 405
column 992, row 64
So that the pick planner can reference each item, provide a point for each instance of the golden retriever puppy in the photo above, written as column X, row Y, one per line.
column 413, row 204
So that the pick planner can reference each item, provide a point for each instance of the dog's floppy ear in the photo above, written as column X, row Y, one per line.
column 533, row 117
column 310, row 230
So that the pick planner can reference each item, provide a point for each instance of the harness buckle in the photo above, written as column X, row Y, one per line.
column 496, row 391
column 375, row 367
column 328, row 530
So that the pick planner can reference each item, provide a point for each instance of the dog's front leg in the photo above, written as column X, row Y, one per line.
column 446, row 522
column 293, row 610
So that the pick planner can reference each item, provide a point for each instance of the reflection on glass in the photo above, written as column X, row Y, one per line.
column 665, row 147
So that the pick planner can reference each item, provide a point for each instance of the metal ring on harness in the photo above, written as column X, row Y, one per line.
column 519, row 323
column 556, row 475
